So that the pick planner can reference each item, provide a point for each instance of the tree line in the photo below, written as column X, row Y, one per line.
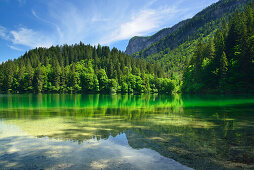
column 222, row 62
column 82, row 68
column 225, row 63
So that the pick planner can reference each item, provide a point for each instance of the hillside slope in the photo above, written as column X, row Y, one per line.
column 225, row 63
column 202, row 23
column 139, row 43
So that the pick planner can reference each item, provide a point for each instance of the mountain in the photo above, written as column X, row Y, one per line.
column 212, row 52
column 139, row 43
column 202, row 24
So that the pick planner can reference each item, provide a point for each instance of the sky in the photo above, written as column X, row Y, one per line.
column 27, row 24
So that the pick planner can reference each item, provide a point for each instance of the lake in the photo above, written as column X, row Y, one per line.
column 53, row 131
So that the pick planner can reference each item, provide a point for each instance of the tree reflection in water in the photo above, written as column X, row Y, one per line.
column 118, row 130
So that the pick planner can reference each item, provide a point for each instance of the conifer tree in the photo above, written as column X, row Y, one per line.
column 38, row 80
column 56, row 75
column 223, row 71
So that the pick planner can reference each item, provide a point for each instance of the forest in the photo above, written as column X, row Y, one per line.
column 82, row 69
column 225, row 63
column 220, row 62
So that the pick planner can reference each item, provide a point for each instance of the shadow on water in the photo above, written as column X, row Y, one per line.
column 72, row 131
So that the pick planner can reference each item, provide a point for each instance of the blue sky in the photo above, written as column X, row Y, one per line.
column 26, row 24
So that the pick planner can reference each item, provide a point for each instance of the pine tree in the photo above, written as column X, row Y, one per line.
column 198, row 58
column 210, row 50
column 219, row 46
column 96, row 59
column 56, row 75
column 250, row 20
column 38, row 80
column 73, row 82
column 28, row 81
column 20, row 76
column 63, row 80
column 223, row 71
column 1, row 79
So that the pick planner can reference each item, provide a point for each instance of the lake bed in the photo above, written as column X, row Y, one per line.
column 126, row 132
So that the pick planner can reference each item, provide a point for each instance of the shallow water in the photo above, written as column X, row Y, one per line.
column 126, row 132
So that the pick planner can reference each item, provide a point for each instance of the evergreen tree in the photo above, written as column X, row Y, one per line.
column 38, row 80
column 56, row 76
column 223, row 71
column 28, row 77
column 230, row 68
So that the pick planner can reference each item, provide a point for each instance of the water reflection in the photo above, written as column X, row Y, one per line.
column 121, row 131
column 20, row 149
column 29, row 101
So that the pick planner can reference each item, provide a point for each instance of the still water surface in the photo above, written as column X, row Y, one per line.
column 126, row 132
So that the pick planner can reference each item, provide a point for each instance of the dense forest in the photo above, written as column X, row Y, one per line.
column 174, row 51
column 202, row 24
column 225, row 63
column 82, row 69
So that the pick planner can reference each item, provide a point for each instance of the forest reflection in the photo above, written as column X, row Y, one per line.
column 177, row 127
column 88, row 101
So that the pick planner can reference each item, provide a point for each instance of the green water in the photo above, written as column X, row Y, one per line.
column 126, row 132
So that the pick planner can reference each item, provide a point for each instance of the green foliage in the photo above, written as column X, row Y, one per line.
column 79, row 69
column 103, row 81
column 230, row 67
column 176, row 51
column 201, row 25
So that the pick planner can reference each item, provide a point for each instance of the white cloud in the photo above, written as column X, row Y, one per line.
column 71, row 26
column 60, row 34
column 65, row 22
column 26, row 37
column 145, row 21
column 30, row 38
column 4, row 33
column 34, row 14
column 15, row 48
column 105, row 25
column 142, row 23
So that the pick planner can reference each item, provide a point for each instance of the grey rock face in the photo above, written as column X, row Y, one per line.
column 139, row 43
